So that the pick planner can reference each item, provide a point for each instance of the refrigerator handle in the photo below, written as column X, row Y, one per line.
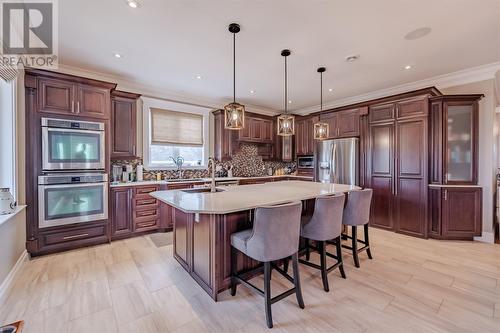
column 334, row 161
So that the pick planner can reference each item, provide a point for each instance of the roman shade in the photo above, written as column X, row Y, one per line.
column 176, row 128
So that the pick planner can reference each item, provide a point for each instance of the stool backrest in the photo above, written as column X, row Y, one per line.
column 326, row 222
column 357, row 210
column 276, row 232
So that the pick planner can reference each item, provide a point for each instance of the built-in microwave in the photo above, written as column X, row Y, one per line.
column 305, row 162
column 72, row 145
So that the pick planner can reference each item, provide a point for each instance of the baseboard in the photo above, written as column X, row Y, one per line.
column 7, row 283
column 486, row 237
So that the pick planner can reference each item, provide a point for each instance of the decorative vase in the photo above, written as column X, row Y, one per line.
column 7, row 202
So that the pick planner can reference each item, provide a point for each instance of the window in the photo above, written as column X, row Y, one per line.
column 8, row 135
column 172, row 130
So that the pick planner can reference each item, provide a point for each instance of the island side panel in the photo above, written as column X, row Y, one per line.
column 182, row 225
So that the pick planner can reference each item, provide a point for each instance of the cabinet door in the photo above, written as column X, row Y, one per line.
column 309, row 138
column 300, row 146
column 56, row 96
column 332, row 120
column 244, row 133
column 411, row 177
column 121, row 211
column 256, row 130
column 460, row 142
column 267, row 130
column 93, row 102
column 412, row 108
column 286, row 148
column 123, row 128
column 380, row 174
column 382, row 112
column 462, row 213
column 348, row 123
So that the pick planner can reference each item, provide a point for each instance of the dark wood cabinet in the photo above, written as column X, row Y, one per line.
column 71, row 98
column 344, row 123
column 304, row 135
column 123, row 125
column 454, row 139
column 121, row 211
column 456, row 212
column 397, row 168
column 258, row 130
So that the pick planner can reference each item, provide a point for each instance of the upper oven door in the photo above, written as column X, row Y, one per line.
column 72, row 149
column 72, row 203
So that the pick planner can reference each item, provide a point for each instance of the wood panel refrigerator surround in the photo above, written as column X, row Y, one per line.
column 397, row 165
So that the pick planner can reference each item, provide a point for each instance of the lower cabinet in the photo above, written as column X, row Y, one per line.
column 455, row 212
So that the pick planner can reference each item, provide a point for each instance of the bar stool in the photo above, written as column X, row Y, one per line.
column 357, row 213
column 275, row 235
column 324, row 225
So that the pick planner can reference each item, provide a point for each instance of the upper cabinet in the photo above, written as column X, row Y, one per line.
column 70, row 95
column 257, row 129
column 343, row 123
column 304, row 135
column 123, row 124
column 454, row 139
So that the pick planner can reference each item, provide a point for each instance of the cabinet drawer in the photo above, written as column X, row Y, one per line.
column 148, row 202
column 150, row 214
column 73, row 235
column 143, row 192
column 146, row 225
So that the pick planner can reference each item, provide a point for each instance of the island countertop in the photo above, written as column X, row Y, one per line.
column 245, row 197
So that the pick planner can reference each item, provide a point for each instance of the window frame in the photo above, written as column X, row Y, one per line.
column 13, row 138
column 149, row 103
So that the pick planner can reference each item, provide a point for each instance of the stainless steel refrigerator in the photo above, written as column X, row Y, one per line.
column 337, row 161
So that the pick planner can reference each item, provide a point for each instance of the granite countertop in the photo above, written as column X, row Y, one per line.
column 240, row 198
column 202, row 180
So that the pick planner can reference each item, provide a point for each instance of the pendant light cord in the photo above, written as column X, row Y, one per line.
column 234, row 67
column 321, row 90
column 286, row 87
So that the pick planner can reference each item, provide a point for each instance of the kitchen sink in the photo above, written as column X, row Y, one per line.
column 201, row 190
column 184, row 180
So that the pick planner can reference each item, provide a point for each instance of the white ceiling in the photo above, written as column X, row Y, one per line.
column 166, row 43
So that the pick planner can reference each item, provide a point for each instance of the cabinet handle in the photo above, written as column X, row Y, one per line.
column 133, row 150
column 72, row 106
column 445, row 195
column 75, row 236
column 78, row 107
column 395, row 176
column 338, row 131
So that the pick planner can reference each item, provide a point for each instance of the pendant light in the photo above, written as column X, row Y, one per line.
column 286, row 122
column 234, row 113
column 321, row 129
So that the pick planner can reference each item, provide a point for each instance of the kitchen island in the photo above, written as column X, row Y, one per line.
column 204, row 222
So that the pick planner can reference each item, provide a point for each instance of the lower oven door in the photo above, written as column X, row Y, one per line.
column 72, row 203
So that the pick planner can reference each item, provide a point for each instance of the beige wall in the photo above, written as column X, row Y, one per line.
column 487, row 145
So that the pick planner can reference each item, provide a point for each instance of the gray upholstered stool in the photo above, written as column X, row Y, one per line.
column 325, row 225
column 274, row 236
column 357, row 213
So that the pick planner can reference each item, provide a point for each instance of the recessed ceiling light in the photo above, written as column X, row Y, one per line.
column 418, row 33
column 118, row 55
column 331, row 89
column 352, row 58
column 198, row 77
column 408, row 67
column 289, row 102
column 133, row 3
column 252, row 91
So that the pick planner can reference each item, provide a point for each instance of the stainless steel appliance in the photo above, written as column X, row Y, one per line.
column 338, row 161
column 72, row 145
column 72, row 198
column 305, row 162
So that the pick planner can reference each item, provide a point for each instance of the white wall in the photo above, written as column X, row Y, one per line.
column 487, row 146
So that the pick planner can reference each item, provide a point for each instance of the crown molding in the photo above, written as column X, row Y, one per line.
column 128, row 85
column 469, row 75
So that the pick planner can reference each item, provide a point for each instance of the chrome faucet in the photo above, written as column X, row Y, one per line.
column 211, row 166
column 178, row 161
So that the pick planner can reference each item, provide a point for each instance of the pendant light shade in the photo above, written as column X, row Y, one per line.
column 286, row 122
column 321, row 129
column 234, row 113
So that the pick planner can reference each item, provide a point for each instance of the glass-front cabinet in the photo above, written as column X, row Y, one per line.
column 454, row 139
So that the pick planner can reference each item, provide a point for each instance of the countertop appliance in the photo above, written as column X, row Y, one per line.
column 72, row 145
column 338, row 161
column 72, row 198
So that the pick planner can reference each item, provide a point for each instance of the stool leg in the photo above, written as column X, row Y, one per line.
column 308, row 250
column 267, row 293
column 296, row 280
column 234, row 270
column 355, row 246
column 285, row 264
column 324, row 273
column 367, row 241
column 339, row 255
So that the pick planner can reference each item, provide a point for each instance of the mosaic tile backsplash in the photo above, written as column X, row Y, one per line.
column 246, row 163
